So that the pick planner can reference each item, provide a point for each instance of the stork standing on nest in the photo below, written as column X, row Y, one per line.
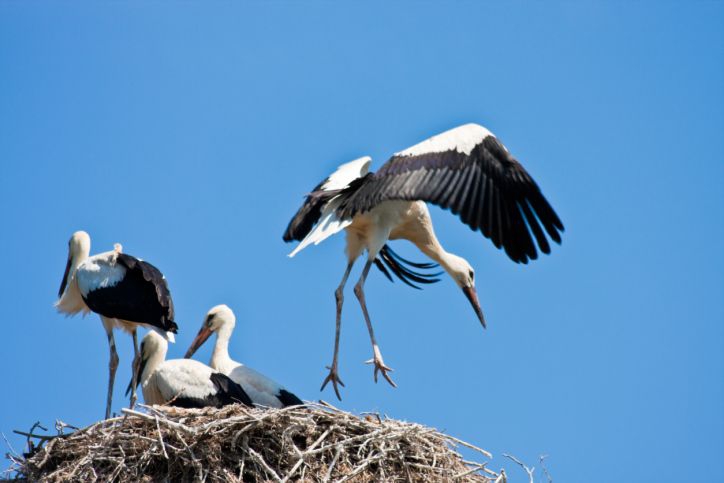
column 262, row 390
column 466, row 170
column 182, row 382
column 123, row 290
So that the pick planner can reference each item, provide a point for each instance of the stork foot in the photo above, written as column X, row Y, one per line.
column 333, row 377
column 381, row 367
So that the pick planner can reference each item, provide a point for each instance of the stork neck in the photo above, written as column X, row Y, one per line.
column 220, row 357
column 77, row 258
column 154, row 360
column 432, row 248
column 71, row 300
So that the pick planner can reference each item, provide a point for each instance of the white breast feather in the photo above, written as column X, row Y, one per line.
column 99, row 271
column 462, row 139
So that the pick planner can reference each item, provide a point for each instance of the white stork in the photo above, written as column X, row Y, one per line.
column 466, row 170
column 182, row 382
column 262, row 390
column 123, row 290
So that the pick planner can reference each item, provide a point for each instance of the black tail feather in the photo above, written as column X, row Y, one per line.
column 397, row 265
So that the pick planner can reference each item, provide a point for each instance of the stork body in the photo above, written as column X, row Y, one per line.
column 466, row 170
column 262, row 390
column 124, row 291
column 182, row 382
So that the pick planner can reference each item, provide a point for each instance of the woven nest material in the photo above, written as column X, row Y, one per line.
column 236, row 443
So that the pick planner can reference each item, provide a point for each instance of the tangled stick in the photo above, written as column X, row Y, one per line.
column 313, row 443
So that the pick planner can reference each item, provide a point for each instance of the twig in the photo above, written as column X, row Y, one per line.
column 42, row 437
column 520, row 463
column 303, row 455
column 543, row 467
column 361, row 467
column 328, row 475
column 168, row 423
column 160, row 439
column 259, row 459
column 468, row 445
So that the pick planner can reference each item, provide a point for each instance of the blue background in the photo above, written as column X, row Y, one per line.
column 190, row 132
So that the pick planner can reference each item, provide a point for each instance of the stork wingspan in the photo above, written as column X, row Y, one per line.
column 469, row 171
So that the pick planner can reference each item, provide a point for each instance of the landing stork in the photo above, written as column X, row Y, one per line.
column 262, row 390
column 182, row 382
column 467, row 170
column 123, row 290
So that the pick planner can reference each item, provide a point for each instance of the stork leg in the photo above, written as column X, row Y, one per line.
column 333, row 375
column 112, row 366
column 377, row 358
column 134, row 368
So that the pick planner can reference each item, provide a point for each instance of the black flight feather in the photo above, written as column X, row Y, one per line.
column 288, row 399
column 399, row 266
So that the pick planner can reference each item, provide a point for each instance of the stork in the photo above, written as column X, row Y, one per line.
column 123, row 290
column 182, row 382
column 467, row 170
column 262, row 390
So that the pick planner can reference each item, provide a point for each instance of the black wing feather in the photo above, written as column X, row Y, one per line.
column 288, row 399
column 308, row 215
column 141, row 296
column 488, row 188
column 229, row 392
column 400, row 267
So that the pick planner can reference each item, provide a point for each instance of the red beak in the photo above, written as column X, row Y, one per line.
column 473, row 298
column 201, row 337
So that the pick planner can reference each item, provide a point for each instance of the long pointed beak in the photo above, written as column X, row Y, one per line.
column 139, row 373
column 201, row 337
column 65, row 277
column 473, row 298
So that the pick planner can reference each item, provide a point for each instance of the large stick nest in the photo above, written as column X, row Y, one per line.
column 236, row 443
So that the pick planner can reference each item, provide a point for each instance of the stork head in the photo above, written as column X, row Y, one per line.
column 464, row 275
column 219, row 318
column 78, row 250
column 153, row 346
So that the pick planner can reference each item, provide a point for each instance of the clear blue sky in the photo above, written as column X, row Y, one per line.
column 189, row 133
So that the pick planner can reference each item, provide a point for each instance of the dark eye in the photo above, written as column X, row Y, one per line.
column 209, row 319
column 472, row 275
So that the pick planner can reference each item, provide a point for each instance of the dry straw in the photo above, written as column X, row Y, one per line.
column 316, row 443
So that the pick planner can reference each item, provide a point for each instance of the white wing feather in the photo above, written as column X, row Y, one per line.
column 184, row 378
column 329, row 223
column 99, row 271
column 462, row 139
column 260, row 388
column 347, row 173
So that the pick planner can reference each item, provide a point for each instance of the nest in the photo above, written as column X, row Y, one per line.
column 316, row 443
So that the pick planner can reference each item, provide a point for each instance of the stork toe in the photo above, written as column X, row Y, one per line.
column 381, row 367
column 333, row 377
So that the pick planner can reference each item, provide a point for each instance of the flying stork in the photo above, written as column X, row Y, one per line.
column 181, row 382
column 262, row 390
column 123, row 290
column 467, row 170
